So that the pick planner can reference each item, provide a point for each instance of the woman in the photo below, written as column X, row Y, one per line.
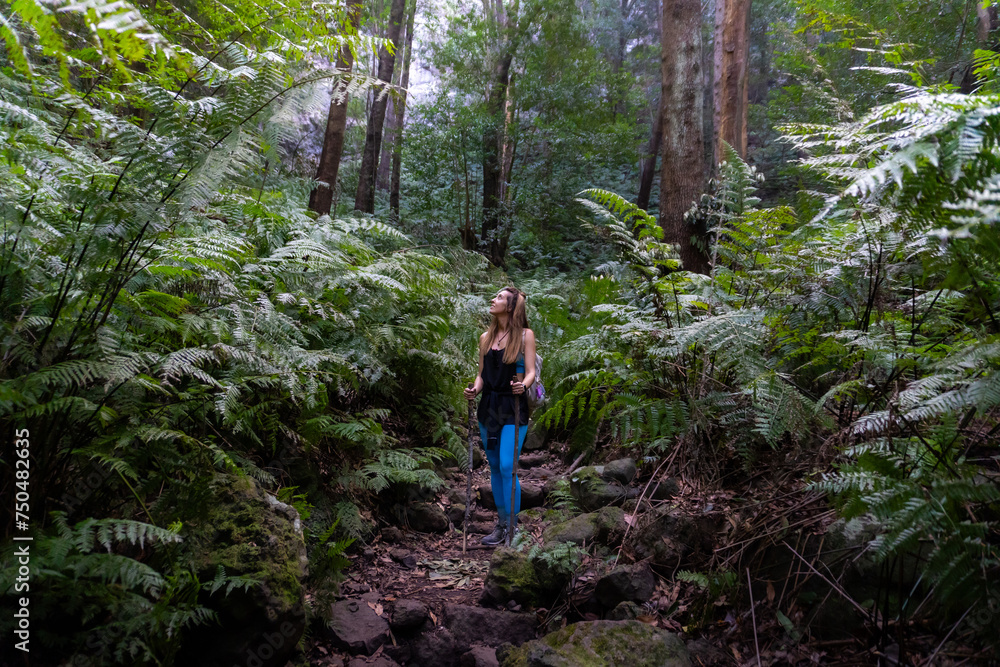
column 506, row 368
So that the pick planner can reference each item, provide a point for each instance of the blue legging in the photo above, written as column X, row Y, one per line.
column 501, row 462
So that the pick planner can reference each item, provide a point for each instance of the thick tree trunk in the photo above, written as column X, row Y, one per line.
column 321, row 198
column 397, row 148
column 364, row 200
column 682, row 169
column 493, row 240
column 987, row 22
column 649, row 160
column 732, row 54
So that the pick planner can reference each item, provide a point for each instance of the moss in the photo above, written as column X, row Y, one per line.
column 606, row 526
column 592, row 491
column 610, row 523
column 513, row 576
column 244, row 534
column 577, row 530
column 602, row 644
column 587, row 477
column 552, row 516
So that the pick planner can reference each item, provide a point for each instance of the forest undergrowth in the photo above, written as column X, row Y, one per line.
column 172, row 313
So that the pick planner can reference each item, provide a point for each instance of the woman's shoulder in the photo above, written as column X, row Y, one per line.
column 528, row 334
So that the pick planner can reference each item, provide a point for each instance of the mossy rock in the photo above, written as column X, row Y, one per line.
column 620, row 470
column 592, row 491
column 605, row 526
column 247, row 533
column 535, row 439
column 602, row 644
column 514, row 576
column 666, row 536
column 511, row 577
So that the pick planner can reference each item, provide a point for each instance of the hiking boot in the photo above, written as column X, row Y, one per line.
column 497, row 536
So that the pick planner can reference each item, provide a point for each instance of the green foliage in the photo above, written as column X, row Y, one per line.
column 681, row 356
column 562, row 498
column 915, row 181
column 559, row 560
column 170, row 308
column 560, row 138
column 715, row 583
column 326, row 558
column 114, row 587
column 714, row 587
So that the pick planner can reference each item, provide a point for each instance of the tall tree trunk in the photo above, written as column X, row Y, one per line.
column 493, row 240
column 618, row 62
column 508, row 144
column 321, row 197
column 649, row 160
column 388, row 141
column 732, row 54
column 987, row 21
column 682, row 169
column 397, row 148
column 364, row 200
column 467, row 233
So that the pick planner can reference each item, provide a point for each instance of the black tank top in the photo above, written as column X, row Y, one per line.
column 496, row 408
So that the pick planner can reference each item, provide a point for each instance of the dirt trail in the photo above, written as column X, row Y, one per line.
column 401, row 563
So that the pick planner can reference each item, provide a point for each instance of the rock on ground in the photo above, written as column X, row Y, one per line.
column 592, row 491
column 479, row 656
column 602, row 644
column 434, row 648
column 456, row 513
column 606, row 526
column 426, row 518
column 489, row 627
column 356, row 627
column 703, row 653
column 621, row 471
column 513, row 577
column 380, row 661
column 532, row 460
column 486, row 496
column 408, row 615
column 532, row 495
column 535, row 438
column 633, row 583
column 665, row 489
column 392, row 535
column 667, row 537
column 625, row 611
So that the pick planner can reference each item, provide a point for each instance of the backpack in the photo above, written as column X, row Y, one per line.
column 536, row 392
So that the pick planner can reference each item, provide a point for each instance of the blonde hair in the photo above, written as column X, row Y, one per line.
column 517, row 322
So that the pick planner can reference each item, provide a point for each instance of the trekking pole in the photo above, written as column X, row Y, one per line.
column 468, row 484
column 513, row 478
